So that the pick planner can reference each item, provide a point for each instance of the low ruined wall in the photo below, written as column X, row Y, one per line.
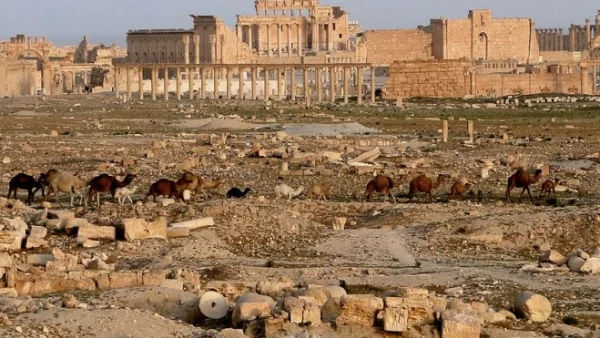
column 506, row 84
column 456, row 78
column 447, row 78
column 383, row 47
column 17, row 78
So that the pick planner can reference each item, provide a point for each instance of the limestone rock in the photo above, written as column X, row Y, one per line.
column 317, row 293
column 395, row 319
column 339, row 223
column 38, row 232
column 251, row 306
column 137, row 228
column 5, row 260
column 195, row 223
column 39, row 259
column 460, row 324
column 591, row 266
column 533, row 307
column 97, row 232
column 275, row 289
column 553, row 256
column 360, row 310
column 334, row 291
column 69, row 301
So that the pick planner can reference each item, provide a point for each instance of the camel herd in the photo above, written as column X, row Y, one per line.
column 120, row 190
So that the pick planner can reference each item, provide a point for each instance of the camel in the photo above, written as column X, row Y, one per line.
column 459, row 189
column 522, row 179
column 287, row 191
column 381, row 184
column 425, row 185
column 549, row 187
column 106, row 183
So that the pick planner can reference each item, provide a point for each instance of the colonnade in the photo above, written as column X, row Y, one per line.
column 252, row 33
column 317, row 81
column 550, row 39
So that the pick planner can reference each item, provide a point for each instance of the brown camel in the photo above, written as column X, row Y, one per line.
column 106, row 183
column 424, row 185
column 522, row 179
column 380, row 184
column 549, row 187
column 459, row 189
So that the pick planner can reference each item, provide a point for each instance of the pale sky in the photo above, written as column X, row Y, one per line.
column 66, row 21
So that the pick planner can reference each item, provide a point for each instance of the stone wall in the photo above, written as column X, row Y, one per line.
column 481, row 37
column 557, row 56
column 457, row 78
column 506, row 84
column 386, row 46
column 429, row 78
column 17, row 77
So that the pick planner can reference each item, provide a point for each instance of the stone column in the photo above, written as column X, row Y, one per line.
column 128, row 84
column 239, row 31
column 253, row 87
column 116, row 81
column 346, row 84
column 597, row 27
column 319, row 81
column 153, row 82
column 584, row 79
column 278, row 26
column 330, row 36
column 196, row 49
column 46, row 77
column 594, row 76
column 293, row 84
column 300, row 41
column 315, row 35
column 269, row 52
column 332, row 83
column 359, row 84
column 186, row 49
column 471, row 131
column 202, row 83
column 572, row 38
column 258, row 41
column 561, row 39
column 190, row 83
column 280, row 92
column 251, row 36
column 306, row 88
column 166, row 84
column 588, row 34
column 266, row 86
column 241, row 84
column 178, row 84
column 445, row 131
column 229, row 79
column 289, row 39
column 551, row 40
column 216, row 83
column 373, row 84
column 141, row 82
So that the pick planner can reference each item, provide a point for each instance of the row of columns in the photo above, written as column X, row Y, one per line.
column 550, row 39
column 249, row 32
column 331, row 70
column 580, row 37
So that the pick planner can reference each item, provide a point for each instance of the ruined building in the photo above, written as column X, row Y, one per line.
column 287, row 29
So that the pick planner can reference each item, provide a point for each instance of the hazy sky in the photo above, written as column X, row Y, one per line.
column 66, row 21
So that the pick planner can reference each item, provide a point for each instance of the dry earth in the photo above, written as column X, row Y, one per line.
column 480, row 244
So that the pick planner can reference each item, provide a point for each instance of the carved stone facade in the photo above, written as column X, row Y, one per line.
column 280, row 29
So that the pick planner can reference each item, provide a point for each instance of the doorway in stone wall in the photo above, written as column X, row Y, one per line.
column 481, row 47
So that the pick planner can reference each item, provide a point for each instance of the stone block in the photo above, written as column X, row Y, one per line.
column 90, row 231
column 395, row 319
column 533, row 307
column 251, row 306
column 460, row 324
column 359, row 310
column 5, row 260
column 39, row 259
column 125, row 279
column 139, row 229
column 38, row 232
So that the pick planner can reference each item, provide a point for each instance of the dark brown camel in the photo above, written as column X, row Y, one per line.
column 425, row 185
column 522, row 179
column 107, row 183
column 381, row 184
column 23, row 181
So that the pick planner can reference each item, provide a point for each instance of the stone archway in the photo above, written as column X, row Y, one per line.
column 481, row 47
